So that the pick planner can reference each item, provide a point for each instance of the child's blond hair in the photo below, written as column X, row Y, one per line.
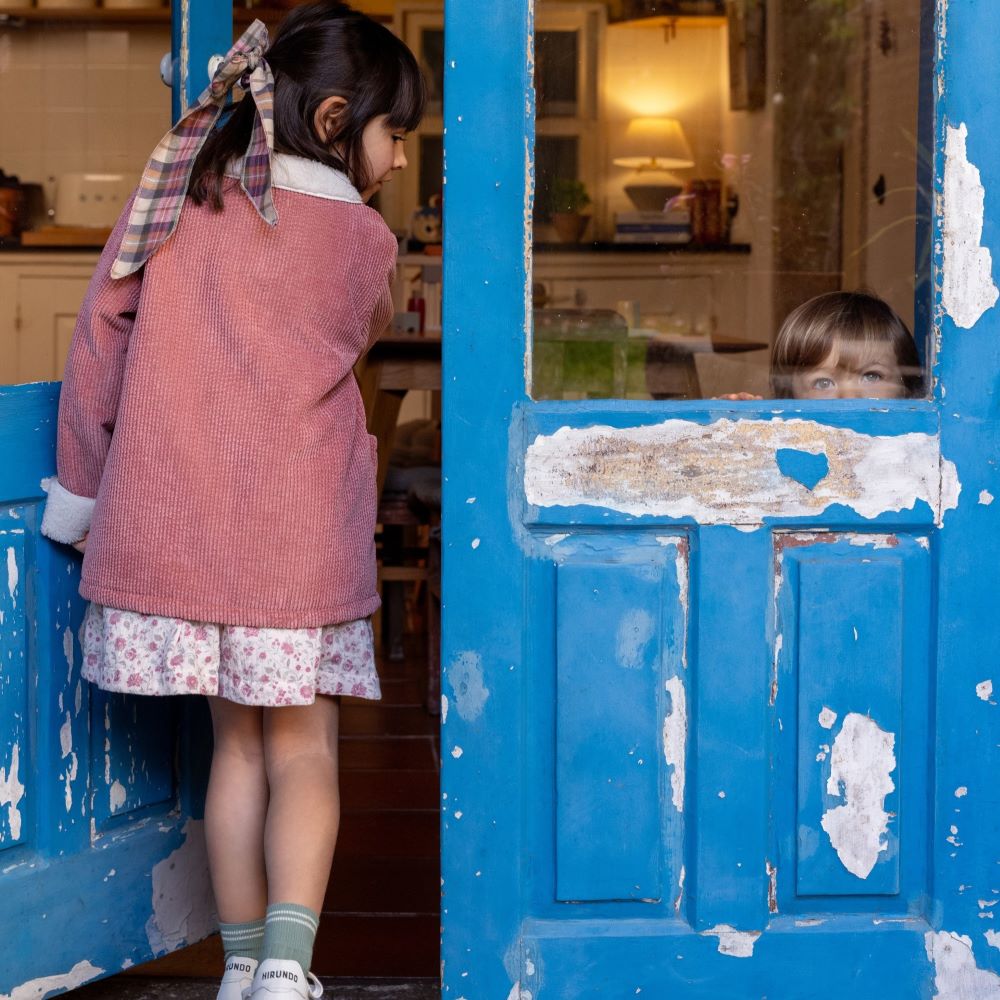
column 810, row 332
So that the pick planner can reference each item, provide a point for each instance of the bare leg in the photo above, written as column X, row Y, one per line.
column 300, row 753
column 235, row 810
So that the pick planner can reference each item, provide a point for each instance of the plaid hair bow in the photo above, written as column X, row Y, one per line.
column 163, row 187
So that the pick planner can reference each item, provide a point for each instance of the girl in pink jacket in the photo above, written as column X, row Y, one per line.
column 213, row 459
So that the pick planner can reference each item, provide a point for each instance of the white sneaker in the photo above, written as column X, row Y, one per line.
column 237, row 978
column 279, row 979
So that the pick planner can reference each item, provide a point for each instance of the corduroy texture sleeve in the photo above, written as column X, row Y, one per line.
column 92, row 381
column 377, row 261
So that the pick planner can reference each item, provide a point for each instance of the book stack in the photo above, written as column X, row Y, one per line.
column 672, row 226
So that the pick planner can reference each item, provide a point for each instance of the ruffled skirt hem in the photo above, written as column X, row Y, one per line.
column 133, row 653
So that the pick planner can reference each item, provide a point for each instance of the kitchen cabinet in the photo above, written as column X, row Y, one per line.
column 40, row 295
column 700, row 291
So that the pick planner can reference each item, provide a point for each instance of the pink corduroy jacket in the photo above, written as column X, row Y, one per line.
column 212, row 436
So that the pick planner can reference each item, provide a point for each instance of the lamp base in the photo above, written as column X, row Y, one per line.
column 652, row 195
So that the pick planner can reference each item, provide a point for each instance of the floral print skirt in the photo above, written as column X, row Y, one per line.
column 148, row 654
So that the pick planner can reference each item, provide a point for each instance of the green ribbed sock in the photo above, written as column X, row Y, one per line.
column 244, row 940
column 289, row 933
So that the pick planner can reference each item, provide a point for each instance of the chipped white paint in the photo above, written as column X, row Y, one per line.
column 183, row 905
column 444, row 709
column 517, row 992
column 992, row 938
column 12, row 575
column 956, row 976
column 679, row 898
column 551, row 540
column 961, row 792
column 11, row 793
column 967, row 287
column 827, row 718
column 726, row 472
column 635, row 630
column 738, row 944
column 67, row 643
column 71, row 772
column 779, row 642
column 824, row 752
column 36, row 989
column 475, row 543
column 867, row 541
column 684, row 597
column 465, row 674
column 66, row 736
column 457, row 752
column 772, row 886
column 861, row 763
column 810, row 922
column 675, row 739
column 117, row 795
column 984, row 690
column 985, row 497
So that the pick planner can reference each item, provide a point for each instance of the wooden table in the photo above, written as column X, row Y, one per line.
column 394, row 366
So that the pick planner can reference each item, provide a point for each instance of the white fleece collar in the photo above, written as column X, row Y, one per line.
column 296, row 173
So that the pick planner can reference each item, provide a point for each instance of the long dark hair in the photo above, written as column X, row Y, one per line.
column 810, row 332
column 322, row 49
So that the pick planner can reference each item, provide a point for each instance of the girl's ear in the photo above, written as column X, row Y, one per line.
column 325, row 119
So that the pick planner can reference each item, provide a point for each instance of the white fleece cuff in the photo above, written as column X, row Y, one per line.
column 67, row 516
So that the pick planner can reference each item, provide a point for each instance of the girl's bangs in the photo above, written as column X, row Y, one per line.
column 406, row 104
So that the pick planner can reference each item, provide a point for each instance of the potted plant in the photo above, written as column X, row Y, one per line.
column 567, row 200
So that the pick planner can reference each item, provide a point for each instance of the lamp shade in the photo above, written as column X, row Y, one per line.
column 654, row 144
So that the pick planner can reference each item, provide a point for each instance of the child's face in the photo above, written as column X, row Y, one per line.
column 852, row 371
column 383, row 146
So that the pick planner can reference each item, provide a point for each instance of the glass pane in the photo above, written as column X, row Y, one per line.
column 556, row 73
column 556, row 166
column 745, row 212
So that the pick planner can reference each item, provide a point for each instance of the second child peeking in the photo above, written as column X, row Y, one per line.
column 843, row 345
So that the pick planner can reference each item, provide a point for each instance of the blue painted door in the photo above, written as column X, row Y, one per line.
column 102, row 863
column 102, row 856
column 719, row 718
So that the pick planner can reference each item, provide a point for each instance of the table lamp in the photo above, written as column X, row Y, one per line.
column 653, row 147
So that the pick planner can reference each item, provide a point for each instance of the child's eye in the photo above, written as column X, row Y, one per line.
column 823, row 383
column 872, row 377
column 399, row 138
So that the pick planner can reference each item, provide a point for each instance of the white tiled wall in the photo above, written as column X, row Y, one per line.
column 80, row 99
